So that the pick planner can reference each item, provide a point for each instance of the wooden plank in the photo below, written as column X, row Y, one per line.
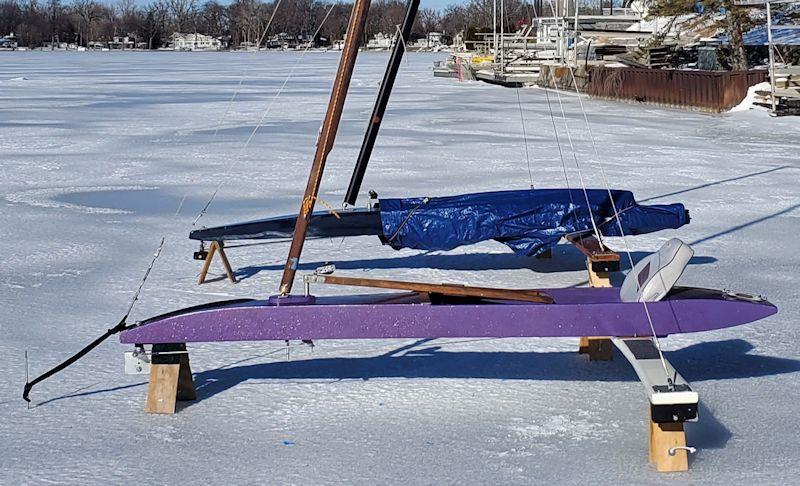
column 592, row 248
column 444, row 289
column 162, row 389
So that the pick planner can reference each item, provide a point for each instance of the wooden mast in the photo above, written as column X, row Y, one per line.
column 325, row 140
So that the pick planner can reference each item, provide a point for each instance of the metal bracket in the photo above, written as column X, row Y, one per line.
column 137, row 362
column 671, row 397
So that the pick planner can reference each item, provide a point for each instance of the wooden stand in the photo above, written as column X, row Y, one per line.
column 216, row 247
column 600, row 262
column 671, row 404
column 664, row 437
column 597, row 348
column 170, row 378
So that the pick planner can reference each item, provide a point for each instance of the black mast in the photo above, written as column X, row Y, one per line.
column 380, row 103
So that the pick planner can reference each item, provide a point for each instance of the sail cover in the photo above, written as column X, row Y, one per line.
column 528, row 221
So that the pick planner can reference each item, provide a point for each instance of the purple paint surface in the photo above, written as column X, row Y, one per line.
column 576, row 312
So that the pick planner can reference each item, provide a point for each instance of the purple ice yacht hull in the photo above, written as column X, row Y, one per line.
column 575, row 312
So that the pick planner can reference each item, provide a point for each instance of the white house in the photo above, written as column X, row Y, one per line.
column 194, row 42
column 8, row 42
column 380, row 42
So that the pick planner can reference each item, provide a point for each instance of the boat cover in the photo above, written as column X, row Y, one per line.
column 528, row 221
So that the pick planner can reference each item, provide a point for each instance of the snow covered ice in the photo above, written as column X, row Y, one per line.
column 98, row 149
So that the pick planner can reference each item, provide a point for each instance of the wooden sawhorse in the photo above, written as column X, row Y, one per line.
column 216, row 247
column 170, row 378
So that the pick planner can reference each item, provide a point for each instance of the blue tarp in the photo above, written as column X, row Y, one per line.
column 528, row 221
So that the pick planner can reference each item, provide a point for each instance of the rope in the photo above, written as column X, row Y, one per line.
column 403, row 40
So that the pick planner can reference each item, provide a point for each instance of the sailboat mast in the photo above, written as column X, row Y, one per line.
column 380, row 103
column 325, row 139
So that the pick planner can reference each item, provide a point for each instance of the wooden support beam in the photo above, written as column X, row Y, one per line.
column 162, row 389
column 600, row 258
column 597, row 348
column 442, row 289
column 216, row 247
column 664, row 437
column 170, row 378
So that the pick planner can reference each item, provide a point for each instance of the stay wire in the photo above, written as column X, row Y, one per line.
column 253, row 133
column 577, row 163
column 524, row 138
column 611, row 197
column 618, row 220
column 245, row 72
column 122, row 325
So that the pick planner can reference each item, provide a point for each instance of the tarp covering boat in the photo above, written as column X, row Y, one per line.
column 528, row 221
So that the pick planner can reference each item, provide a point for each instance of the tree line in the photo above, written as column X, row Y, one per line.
column 35, row 22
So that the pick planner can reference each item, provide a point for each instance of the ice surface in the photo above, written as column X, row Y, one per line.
column 98, row 149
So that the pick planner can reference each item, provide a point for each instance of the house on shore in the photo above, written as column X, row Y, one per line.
column 194, row 42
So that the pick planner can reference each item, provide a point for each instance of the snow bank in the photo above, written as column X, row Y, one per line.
column 749, row 100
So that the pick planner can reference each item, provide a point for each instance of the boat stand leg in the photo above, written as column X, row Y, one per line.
column 597, row 348
column 170, row 378
column 216, row 247
column 663, row 439
column 597, row 278
column 671, row 400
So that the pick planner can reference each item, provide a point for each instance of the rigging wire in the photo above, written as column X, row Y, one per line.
column 524, row 138
column 572, row 148
column 244, row 73
column 123, row 325
column 610, row 195
column 617, row 218
column 577, row 163
column 237, row 158
column 561, row 155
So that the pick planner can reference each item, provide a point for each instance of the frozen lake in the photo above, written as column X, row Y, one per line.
column 97, row 150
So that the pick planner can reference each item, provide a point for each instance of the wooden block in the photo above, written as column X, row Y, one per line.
column 597, row 279
column 598, row 348
column 663, row 437
column 162, row 389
